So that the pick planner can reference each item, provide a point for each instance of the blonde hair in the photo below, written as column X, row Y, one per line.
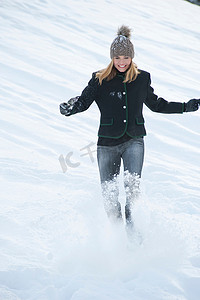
column 110, row 72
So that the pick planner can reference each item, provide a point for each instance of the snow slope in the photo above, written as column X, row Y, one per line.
column 56, row 242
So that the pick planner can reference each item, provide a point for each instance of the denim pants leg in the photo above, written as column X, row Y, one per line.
column 133, row 157
column 109, row 162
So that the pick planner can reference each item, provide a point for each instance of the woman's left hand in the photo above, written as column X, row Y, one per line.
column 192, row 105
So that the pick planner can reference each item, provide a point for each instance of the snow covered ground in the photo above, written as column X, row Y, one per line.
column 55, row 240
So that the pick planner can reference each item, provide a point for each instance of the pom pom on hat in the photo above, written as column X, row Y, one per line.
column 122, row 46
column 125, row 31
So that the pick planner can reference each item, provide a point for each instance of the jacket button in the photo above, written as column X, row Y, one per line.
column 124, row 121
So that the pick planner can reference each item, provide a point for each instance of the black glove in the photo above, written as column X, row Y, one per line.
column 66, row 109
column 192, row 105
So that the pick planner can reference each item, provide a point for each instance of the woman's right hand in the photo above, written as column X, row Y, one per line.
column 67, row 107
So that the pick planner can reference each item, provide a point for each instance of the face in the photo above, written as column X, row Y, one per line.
column 122, row 63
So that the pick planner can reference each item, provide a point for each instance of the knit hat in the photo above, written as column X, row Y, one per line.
column 122, row 44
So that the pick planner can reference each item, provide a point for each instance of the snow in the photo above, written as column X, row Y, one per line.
column 56, row 241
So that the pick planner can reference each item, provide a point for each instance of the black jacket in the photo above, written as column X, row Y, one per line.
column 121, row 104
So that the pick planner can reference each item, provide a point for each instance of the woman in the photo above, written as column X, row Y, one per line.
column 120, row 91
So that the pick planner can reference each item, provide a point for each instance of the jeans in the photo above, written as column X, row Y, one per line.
column 109, row 161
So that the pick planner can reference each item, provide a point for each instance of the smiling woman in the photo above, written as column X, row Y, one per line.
column 120, row 90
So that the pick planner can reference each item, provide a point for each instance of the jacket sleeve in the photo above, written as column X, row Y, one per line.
column 88, row 95
column 161, row 105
